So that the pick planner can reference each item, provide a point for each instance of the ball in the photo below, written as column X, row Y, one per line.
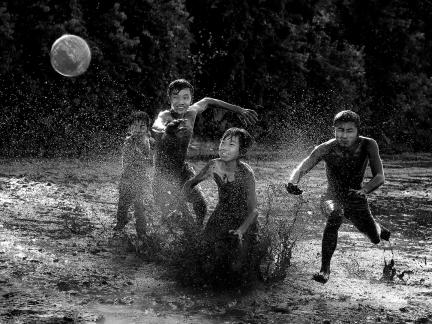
column 70, row 55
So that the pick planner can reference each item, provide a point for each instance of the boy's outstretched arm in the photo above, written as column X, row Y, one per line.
column 204, row 174
column 303, row 168
column 249, row 116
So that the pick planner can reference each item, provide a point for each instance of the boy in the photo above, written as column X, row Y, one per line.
column 173, row 130
column 346, row 158
column 134, row 181
column 231, row 231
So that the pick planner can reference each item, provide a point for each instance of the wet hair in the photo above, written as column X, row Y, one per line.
column 139, row 116
column 346, row 116
column 178, row 85
column 245, row 139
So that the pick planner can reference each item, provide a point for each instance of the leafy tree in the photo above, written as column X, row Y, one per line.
column 296, row 62
column 396, row 41
column 7, row 47
column 279, row 55
column 137, row 48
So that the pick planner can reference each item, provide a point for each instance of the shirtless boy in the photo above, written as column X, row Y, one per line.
column 173, row 130
column 346, row 157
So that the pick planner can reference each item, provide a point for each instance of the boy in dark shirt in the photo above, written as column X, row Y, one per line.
column 134, row 187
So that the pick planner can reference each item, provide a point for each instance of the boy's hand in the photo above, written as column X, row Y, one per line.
column 248, row 116
column 293, row 189
column 173, row 126
column 152, row 142
column 239, row 235
column 186, row 189
column 353, row 194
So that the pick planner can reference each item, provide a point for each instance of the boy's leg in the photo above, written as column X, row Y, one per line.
column 358, row 212
column 199, row 205
column 385, row 233
column 334, row 212
column 125, row 200
column 167, row 196
column 163, row 194
column 140, row 221
column 139, row 213
column 142, row 199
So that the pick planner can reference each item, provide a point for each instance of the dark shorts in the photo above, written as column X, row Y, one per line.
column 356, row 210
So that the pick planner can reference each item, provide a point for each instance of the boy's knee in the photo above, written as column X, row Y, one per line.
column 333, row 225
column 334, row 219
column 331, row 209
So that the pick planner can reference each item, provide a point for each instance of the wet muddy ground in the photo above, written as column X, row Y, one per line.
column 59, row 262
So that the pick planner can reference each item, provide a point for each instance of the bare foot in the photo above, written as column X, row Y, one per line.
column 321, row 277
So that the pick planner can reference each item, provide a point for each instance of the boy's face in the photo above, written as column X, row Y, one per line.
column 346, row 133
column 138, row 128
column 229, row 148
column 180, row 101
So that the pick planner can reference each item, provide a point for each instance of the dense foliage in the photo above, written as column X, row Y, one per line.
column 295, row 62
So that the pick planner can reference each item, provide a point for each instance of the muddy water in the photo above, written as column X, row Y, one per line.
column 56, row 265
column 128, row 315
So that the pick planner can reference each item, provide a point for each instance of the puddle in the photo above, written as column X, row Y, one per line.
column 113, row 314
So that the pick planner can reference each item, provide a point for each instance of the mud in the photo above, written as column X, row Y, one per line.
column 59, row 262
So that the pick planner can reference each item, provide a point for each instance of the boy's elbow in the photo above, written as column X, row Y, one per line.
column 206, row 100
column 157, row 129
column 379, row 180
column 380, row 177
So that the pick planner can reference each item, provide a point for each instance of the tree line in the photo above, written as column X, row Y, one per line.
column 295, row 62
